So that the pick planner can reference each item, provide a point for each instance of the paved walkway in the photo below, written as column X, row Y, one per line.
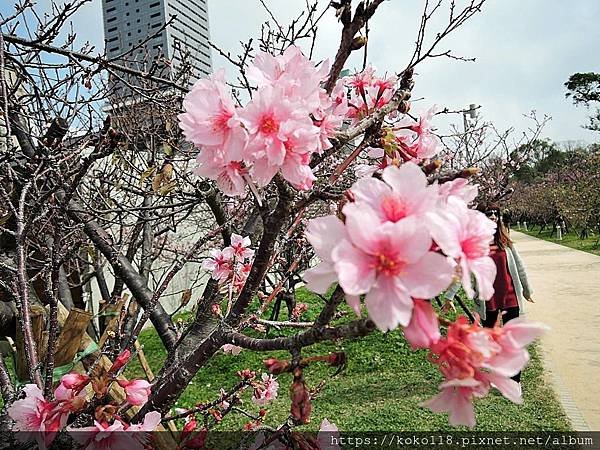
column 566, row 289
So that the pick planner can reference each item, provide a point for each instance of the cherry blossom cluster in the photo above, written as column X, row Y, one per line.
column 368, row 93
column 266, row 390
column 473, row 359
column 406, row 141
column 400, row 241
column 231, row 265
column 401, row 238
column 289, row 118
column 40, row 419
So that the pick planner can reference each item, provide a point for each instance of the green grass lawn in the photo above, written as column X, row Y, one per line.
column 380, row 389
column 590, row 245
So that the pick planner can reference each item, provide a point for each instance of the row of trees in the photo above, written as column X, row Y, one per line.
column 560, row 183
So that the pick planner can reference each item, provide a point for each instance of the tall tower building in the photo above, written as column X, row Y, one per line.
column 127, row 23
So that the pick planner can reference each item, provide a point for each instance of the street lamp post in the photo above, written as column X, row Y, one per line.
column 471, row 112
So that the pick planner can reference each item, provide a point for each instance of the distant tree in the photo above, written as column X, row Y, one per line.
column 584, row 89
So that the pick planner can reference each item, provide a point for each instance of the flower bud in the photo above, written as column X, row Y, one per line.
column 276, row 366
column 74, row 381
column 246, row 374
column 121, row 360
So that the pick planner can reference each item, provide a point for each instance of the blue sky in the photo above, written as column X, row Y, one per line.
column 525, row 50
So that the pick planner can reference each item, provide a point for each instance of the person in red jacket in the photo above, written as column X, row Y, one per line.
column 504, row 304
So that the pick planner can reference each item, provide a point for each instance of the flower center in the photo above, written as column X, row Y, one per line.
column 389, row 266
column 269, row 125
column 393, row 208
column 220, row 122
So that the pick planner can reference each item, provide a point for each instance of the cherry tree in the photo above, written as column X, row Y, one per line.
column 290, row 172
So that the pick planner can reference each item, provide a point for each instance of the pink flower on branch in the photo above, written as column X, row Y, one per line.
column 219, row 263
column 293, row 72
column 211, row 118
column 240, row 246
column 70, row 385
column 465, row 235
column 266, row 391
column 136, row 391
column 40, row 419
column 229, row 175
column 119, row 435
column 390, row 263
column 473, row 358
column 404, row 192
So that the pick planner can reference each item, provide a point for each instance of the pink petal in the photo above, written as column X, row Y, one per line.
column 408, row 238
column 354, row 303
column 484, row 270
column 429, row 276
column 445, row 230
column 507, row 364
column 509, row 388
column 388, row 304
column 406, row 179
column 319, row 278
column 354, row 268
column 362, row 225
column 423, row 328
column 371, row 191
column 523, row 331
column 324, row 233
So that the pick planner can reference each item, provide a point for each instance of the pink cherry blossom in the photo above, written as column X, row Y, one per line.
column 136, row 391
column 418, row 140
column 512, row 339
column 103, row 436
column 465, row 235
column 404, row 193
column 456, row 398
column 272, row 121
column 423, row 329
column 70, row 385
column 473, row 359
column 241, row 275
column 37, row 418
column 423, row 127
column 299, row 145
column 229, row 175
column 231, row 349
column 267, row 391
column 388, row 262
column 361, row 80
column 425, row 147
column 211, row 118
column 339, row 99
column 293, row 72
column 142, row 431
column 240, row 246
column 219, row 263
column 460, row 188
